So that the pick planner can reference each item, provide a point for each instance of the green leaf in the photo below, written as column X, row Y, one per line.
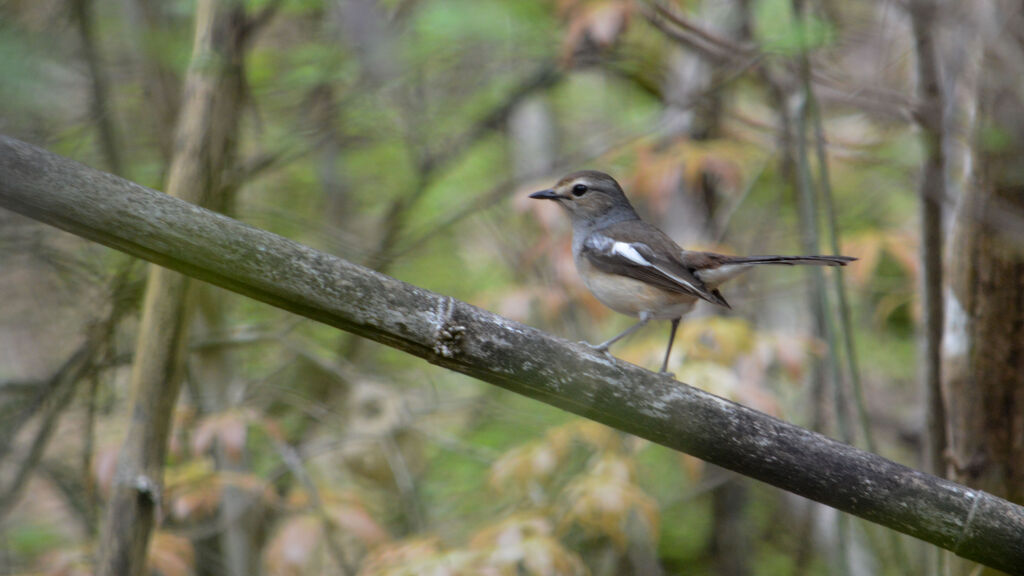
column 780, row 32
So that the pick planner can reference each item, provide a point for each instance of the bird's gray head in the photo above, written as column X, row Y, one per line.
column 590, row 197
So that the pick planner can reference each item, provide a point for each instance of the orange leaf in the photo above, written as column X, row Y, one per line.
column 353, row 519
column 171, row 555
column 595, row 26
column 230, row 431
column 293, row 546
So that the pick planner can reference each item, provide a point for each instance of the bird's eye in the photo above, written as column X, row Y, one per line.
column 579, row 190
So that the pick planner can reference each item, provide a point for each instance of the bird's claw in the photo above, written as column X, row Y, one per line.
column 602, row 348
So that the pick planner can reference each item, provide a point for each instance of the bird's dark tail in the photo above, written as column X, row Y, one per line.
column 794, row 260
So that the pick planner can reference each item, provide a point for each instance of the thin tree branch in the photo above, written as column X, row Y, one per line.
column 723, row 50
column 807, row 203
column 932, row 192
column 258, row 21
column 463, row 338
column 100, row 97
column 432, row 164
column 205, row 139
column 55, row 395
column 293, row 461
column 812, row 110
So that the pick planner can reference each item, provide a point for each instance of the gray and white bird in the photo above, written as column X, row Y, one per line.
column 636, row 269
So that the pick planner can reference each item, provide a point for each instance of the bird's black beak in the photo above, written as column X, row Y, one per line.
column 547, row 195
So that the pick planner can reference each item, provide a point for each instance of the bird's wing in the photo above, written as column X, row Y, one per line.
column 640, row 261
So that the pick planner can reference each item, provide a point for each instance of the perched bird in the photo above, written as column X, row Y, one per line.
column 636, row 269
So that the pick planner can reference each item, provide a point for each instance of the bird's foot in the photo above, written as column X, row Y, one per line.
column 667, row 374
column 602, row 348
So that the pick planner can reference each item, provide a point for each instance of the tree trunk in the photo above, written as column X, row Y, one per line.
column 204, row 143
column 983, row 344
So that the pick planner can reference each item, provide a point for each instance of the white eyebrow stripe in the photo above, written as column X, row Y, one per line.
column 628, row 252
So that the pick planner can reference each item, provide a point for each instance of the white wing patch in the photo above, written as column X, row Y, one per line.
column 628, row 252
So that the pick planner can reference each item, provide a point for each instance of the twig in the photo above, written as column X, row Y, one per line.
column 430, row 165
column 720, row 41
column 932, row 189
column 255, row 23
column 59, row 390
column 293, row 461
column 100, row 97
column 709, row 45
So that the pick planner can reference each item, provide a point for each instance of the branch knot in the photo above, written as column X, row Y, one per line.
column 447, row 333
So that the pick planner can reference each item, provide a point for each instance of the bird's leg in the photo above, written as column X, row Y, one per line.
column 603, row 347
column 671, row 339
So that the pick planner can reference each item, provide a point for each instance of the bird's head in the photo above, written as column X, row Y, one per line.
column 588, row 195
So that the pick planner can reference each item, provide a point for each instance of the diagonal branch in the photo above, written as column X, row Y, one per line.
column 463, row 338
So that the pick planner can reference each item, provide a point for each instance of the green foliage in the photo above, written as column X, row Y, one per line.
column 778, row 31
column 31, row 540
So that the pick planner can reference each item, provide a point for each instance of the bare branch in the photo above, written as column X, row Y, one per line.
column 932, row 192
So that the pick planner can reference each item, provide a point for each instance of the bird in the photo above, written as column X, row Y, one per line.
column 636, row 269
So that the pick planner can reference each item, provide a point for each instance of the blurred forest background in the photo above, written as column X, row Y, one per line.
column 405, row 135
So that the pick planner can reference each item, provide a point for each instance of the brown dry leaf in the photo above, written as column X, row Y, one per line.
column 587, row 432
column 204, row 435
column 512, row 530
column 548, row 557
column 710, row 376
column 229, row 429
column 867, row 247
column 595, row 25
column 250, row 483
column 657, row 176
column 517, row 303
column 891, row 302
column 422, row 557
column 564, row 7
column 272, row 428
column 716, row 338
column 171, row 555
column 352, row 518
column 192, row 489
column 602, row 505
column 661, row 170
column 904, row 248
column 526, row 465
column 520, row 303
column 524, row 544
column 200, row 502
column 294, row 546
column 615, row 468
column 791, row 353
column 233, row 433
column 727, row 173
